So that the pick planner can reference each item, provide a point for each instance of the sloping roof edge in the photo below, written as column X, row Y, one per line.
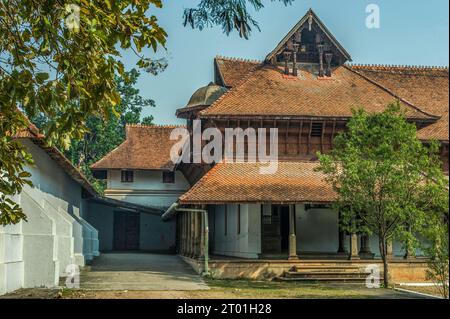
column 127, row 205
column 433, row 116
column 66, row 165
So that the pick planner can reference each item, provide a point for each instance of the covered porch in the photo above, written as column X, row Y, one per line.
column 234, row 211
column 273, row 232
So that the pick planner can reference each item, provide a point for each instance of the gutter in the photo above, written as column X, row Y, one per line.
column 174, row 209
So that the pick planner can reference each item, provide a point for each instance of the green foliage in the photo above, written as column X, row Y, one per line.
column 388, row 182
column 229, row 14
column 13, row 176
column 438, row 263
column 49, row 69
column 103, row 136
column 59, row 59
column 436, row 249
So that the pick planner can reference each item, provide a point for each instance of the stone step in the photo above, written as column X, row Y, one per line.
column 325, row 267
column 335, row 274
column 330, row 270
column 323, row 279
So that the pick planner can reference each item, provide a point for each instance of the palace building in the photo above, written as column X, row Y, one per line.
column 242, row 222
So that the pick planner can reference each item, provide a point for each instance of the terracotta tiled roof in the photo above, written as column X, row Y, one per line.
column 29, row 130
column 231, row 70
column 425, row 87
column 242, row 183
column 145, row 147
column 266, row 91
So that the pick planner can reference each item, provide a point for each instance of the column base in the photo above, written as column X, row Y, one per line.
column 366, row 255
column 354, row 257
column 408, row 256
column 294, row 257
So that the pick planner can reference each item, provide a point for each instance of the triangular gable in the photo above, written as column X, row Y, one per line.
column 309, row 21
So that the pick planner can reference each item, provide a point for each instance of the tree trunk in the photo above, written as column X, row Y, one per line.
column 383, row 252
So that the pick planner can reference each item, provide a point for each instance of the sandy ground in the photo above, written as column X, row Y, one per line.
column 140, row 271
column 228, row 289
column 152, row 276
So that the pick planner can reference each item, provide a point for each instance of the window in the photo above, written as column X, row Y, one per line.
column 168, row 177
column 316, row 129
column 238, row 219
column 225, row 222
column 127, row 176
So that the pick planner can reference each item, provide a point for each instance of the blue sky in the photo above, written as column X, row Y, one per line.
column 412, row 32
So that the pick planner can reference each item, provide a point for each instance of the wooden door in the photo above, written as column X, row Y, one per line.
column 126, row 230
column 271, row 232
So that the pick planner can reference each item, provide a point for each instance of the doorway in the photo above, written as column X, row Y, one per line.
column 284, row 228
column 126, row 230
column 275, row 229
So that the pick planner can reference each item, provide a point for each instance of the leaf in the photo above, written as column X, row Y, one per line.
column 41, row 77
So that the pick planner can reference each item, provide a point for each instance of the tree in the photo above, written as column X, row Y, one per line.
column 59, row 59
column 435, row 230
column 438, row 254
column 103, row 136
column 386, row 180
column 229, row 14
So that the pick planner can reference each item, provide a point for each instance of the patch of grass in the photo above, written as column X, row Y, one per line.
column 273, row 289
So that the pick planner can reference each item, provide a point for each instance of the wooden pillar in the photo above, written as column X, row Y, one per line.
column 354, row 247
column 183, row 233
column 202, row 236
column 341, row 249
column 177, row 234
column 292, row 234
column 190, row 232
column 197, row 234
column 364, row 251
column 186, row 239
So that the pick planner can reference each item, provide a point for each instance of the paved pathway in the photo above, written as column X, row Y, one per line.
column 140, row 271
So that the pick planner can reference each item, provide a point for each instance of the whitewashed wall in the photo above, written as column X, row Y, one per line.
column 247, row 244
column 36, row 253
column 146, row 189
column 317, row 230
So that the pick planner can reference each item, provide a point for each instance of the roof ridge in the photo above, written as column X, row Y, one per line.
column 244, row 79
column 235, row 59
column 155, row 125
column 424, row 70
column 392, row 93
column 399, row 66
column 282, row 160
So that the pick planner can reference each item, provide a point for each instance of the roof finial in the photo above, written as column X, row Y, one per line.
column 310, row 20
